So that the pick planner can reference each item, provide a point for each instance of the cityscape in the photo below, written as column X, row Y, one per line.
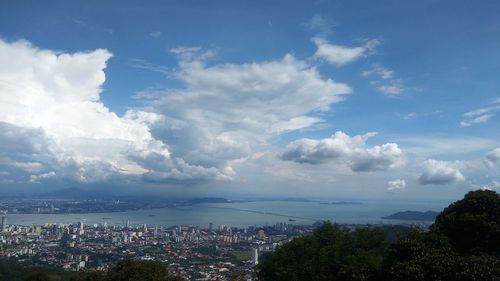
column 249, row 140
column 193, row 252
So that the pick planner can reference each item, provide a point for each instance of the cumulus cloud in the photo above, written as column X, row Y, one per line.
column 227, row 112
column 345, row 149
column 341, row 55
column 492, row 157
column 54, row 126
column 396, row 185
column 440, row 172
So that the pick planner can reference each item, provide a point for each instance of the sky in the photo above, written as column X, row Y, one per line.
column 320, row 99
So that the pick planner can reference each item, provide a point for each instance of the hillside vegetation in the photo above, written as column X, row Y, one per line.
column 463, row 244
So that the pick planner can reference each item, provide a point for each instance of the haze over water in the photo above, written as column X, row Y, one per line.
column 243, row 214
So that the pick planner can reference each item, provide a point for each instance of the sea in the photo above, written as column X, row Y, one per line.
column 245, row 214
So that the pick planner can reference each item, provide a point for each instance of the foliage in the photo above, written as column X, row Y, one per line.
column 472, row 224
column 123, row 271
column 331, row 253
column 462, row 245
column 42, row 276
column 12, row 270
column 140, row 270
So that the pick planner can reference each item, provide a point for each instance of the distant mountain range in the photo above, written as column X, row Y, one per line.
column 70, row 193
column 341, row 203
column 413, row 216
column 209, row 200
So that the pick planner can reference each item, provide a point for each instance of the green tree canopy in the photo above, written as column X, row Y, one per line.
column 331, row 253
column 130, row 270
column 462, row 245
column 472, row 225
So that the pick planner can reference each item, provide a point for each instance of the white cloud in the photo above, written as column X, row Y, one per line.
column 379, row 72
column 440, row 172
column 410, row 116
column 319, row 24
column 481, row 115
column 476, row 120
column 340, row 55
column 345, row 149
column 144, row 64
column 54, row 126
column 385, row 82
column 493, row 185
column 492, row 157
column 295, row 123
column 432, row 146
column 482, row 111
column 189, row 54
column 229, row 111
column 155, row 34
column 396, row 185
column 394, row 88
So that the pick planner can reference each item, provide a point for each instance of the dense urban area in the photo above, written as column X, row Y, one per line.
column 208, row 252
column 195, row 253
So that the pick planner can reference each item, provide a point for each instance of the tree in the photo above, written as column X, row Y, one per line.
column 129, row 270
column 472, row 225
column 332, row 252
column 419, row 256
column 463, row 244
column 40, row 276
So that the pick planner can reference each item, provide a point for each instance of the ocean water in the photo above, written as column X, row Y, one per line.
column 245, row 214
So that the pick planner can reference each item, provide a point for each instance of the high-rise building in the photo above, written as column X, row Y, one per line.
column 4, row 222
column 255, row 256
column 211, row 226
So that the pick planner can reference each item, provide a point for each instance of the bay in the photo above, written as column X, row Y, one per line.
column 259, row 213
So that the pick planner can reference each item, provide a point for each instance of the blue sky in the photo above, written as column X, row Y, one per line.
column 422, row 74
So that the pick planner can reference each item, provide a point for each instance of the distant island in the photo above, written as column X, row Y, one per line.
column 413, row 216
column 341, row 203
